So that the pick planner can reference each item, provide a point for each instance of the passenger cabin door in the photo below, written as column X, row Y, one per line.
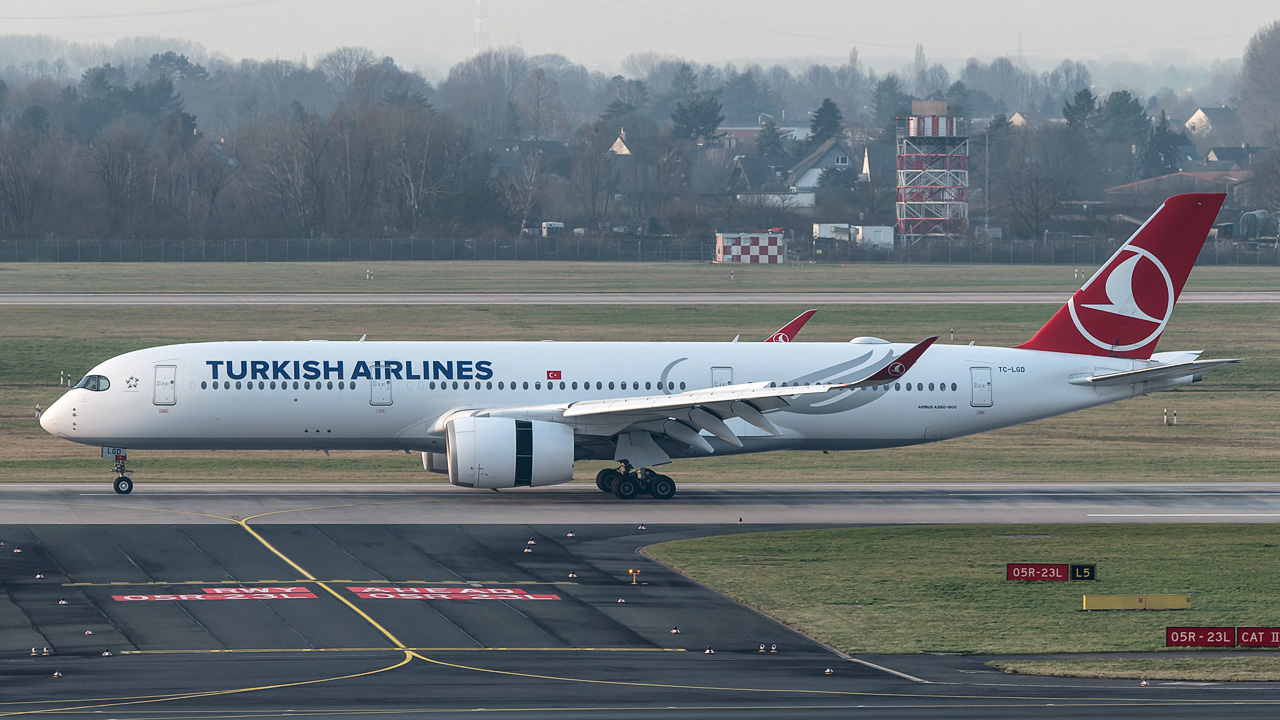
column 980, row 378
column 380, row 392
column 721, row 376
column 165, row 390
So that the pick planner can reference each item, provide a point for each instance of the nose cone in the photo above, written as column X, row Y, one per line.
column 49, row 418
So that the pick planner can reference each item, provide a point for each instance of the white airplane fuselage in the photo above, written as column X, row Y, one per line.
column 394, row 395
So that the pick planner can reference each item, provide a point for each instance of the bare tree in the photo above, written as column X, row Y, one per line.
column 340, row 66
column 1037, row 170
column 483, row 89
column 593, row 176
column 119, row 161
column 541, row 104
column 288, row 172
column 1260, row 82
column 25, row 182
column 523, row 188
column 1266, row 181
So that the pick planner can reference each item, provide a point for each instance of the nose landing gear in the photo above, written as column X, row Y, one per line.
column 123, row 484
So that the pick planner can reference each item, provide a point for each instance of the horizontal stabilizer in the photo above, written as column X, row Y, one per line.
column 1159, row 372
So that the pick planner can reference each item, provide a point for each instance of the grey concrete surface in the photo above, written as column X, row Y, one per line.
column 715, row 504
column 583, row 654
column 595, row 298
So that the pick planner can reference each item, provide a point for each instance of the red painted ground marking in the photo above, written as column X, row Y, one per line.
column 445, row 593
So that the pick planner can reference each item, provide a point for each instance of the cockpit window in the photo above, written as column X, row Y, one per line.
column 96, row 383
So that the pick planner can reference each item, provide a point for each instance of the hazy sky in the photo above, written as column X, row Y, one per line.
column 433, row 34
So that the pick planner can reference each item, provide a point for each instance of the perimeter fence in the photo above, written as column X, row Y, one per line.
column 1087, row 252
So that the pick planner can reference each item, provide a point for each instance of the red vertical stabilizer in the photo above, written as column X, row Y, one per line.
column 1122, row 310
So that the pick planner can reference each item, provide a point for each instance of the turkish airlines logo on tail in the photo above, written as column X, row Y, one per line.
column 1128, row 304
column 897, row 369
column 779, row 337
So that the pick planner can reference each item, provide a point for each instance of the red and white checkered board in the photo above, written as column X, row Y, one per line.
column 752, row 249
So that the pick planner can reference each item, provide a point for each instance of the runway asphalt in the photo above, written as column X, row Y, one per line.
column 329, row 641
column 590, row 298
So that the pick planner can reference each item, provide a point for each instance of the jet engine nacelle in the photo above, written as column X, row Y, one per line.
column 504, row 452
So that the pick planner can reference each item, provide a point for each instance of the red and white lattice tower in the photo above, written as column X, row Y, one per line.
column 751, row 247
column 480, row 38
column 933, row 173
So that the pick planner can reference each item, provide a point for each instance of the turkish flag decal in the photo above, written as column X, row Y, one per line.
column 553, row 374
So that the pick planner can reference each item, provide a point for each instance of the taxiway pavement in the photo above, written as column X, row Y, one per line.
column 597, row 298
column 395, row 601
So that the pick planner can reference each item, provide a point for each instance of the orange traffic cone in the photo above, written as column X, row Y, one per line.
column 39, row 576
column 675, row 630
column 532, row 541
column 709, row 651
column 642, row 527
column 569, row 534
column 106, row 653
column 62, row 601
column 573, row 574
column 57, row 674
column 528, row 550
column 621, row 600
column 88, row 632
column 1144, row 683
column 829, row 671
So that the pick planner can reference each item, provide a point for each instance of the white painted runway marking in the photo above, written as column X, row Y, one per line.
column 1181, row 515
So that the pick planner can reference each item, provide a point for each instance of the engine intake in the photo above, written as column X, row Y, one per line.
column 504, row 452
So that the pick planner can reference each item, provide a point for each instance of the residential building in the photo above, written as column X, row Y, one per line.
column 1206, row 120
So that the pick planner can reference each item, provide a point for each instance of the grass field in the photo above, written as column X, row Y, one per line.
column 569, row 277
column 1253, row 667
column 942, row 589
column 1227, row 424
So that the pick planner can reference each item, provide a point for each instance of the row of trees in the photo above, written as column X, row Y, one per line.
column 354, row 145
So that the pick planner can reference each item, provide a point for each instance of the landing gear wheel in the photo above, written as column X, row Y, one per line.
column 605, row 478
column 626, row 487
column 662, row 487
column 123, row 485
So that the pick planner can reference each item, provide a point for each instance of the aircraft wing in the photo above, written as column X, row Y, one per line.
column 766, row 393
column 1159, row 372
column 682, row 416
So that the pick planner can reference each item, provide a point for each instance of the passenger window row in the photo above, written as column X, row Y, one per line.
column 283, row 385
column 551, row 385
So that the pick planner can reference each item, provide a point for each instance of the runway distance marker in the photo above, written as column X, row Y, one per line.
column 1084, row 572
column 1200, row 637
column 1036, row 572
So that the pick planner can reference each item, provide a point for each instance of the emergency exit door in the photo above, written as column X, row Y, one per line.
column 980, row 378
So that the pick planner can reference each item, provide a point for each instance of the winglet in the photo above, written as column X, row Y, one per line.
column 788, row 332
column 900, row 365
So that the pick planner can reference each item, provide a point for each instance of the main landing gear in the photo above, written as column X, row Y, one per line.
column 626, row 483
column 123, row 484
